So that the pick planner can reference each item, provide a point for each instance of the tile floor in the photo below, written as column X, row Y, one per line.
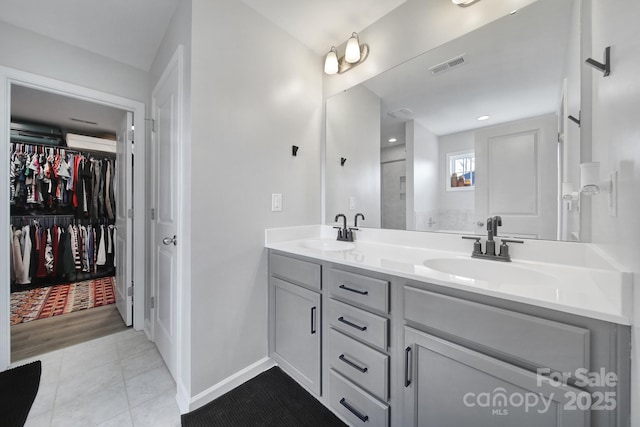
column 118, row 380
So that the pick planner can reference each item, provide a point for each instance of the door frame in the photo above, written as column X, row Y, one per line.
column 9, row 76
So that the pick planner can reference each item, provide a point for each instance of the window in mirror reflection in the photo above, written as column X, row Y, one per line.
column 461, row 170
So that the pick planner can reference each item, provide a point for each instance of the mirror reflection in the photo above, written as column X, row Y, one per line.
column 475, row 128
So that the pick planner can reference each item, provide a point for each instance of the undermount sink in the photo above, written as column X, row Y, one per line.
column 493, row 272
column 327, row 245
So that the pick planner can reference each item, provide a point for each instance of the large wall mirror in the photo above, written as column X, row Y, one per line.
column 475, row 128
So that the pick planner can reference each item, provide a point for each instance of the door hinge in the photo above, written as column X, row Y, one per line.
column 130, row 135
column 130, row 213
column 130, row 290
column 153, row 213
column 153, row 124
column 153, row 302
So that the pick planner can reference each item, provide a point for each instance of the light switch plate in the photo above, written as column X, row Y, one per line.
column 276, row 202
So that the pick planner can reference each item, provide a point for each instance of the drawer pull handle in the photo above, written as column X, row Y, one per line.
column 346, row 288
column 407, row 378
column 353, row 365
column 353, row 325
column 354, row 411
column 313, row 320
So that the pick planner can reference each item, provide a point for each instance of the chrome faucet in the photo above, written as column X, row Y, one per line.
column 490, row 252
column 344, row 233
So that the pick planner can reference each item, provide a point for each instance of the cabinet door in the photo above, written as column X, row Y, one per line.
column 447, row 385
column 297, row 332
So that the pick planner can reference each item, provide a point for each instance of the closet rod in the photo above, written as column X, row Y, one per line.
column 98, row 155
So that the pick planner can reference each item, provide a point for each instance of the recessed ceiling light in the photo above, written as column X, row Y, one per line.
column 481, row 118
column 513, row 12
column 392, row 140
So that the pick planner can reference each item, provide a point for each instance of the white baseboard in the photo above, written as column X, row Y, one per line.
column 186, row 405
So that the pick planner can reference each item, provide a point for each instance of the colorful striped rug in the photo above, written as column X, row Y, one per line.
column 41, row 303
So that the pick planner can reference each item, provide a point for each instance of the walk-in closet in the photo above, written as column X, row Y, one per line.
column 63, row 195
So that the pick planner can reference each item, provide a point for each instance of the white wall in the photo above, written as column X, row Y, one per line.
column 422, row 171
column 411, row 29
column 616, row 145
column 255, row 93
column 31, row 52
column 178, row 33
column 353, row 132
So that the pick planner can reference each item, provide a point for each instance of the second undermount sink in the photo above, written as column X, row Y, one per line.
column 493, row 272
column 327, row 245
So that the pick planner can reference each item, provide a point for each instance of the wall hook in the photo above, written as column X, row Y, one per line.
column 606, row 67
column 342, row 161
column 573, row 119
column 294, row 150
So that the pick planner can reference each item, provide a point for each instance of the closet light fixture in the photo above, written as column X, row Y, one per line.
column 463, row 3
column 354, row 54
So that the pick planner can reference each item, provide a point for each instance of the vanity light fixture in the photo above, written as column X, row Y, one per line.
column 331, row 61
column 354, row 54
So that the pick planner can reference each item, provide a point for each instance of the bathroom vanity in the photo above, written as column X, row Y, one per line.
column 387, row 331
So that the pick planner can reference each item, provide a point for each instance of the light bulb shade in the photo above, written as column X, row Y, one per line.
column 590, row 178
column 331, row 62
column 352, row 52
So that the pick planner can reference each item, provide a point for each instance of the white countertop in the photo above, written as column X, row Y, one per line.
column 569, row 277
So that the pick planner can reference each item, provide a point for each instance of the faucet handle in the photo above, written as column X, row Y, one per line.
column 477, row 246
column 504, row 248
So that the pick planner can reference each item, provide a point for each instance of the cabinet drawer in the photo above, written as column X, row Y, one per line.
column 362, row 290
column 361, row 324
column 530, row 340
column 295, row 271
column 363, row 365
column 356, row 405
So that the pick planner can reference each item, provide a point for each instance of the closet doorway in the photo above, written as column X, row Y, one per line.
column 106, row 278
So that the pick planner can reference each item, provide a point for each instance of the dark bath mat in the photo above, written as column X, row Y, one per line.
column 270, row 399
column 18, row 389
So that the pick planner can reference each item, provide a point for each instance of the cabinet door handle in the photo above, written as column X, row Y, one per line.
column 407, row 378
column 346, row 288
column 352, row 364
column 353, row 410
column 353, row 325
column 313, row 320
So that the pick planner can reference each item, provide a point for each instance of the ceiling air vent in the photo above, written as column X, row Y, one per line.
column 448, row 65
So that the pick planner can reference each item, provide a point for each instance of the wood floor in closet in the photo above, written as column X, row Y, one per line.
column 44, row 335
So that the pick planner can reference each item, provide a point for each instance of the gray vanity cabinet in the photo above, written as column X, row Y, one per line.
column 447, row 385
column 295, row 327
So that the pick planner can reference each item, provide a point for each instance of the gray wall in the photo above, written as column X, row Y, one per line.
column 353, row 132
column 255, row 93
column 616, row 136
column 27, row 51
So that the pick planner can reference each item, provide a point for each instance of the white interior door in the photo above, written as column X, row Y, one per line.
column 516, row 177
column 166, row 100
column 124, row 234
